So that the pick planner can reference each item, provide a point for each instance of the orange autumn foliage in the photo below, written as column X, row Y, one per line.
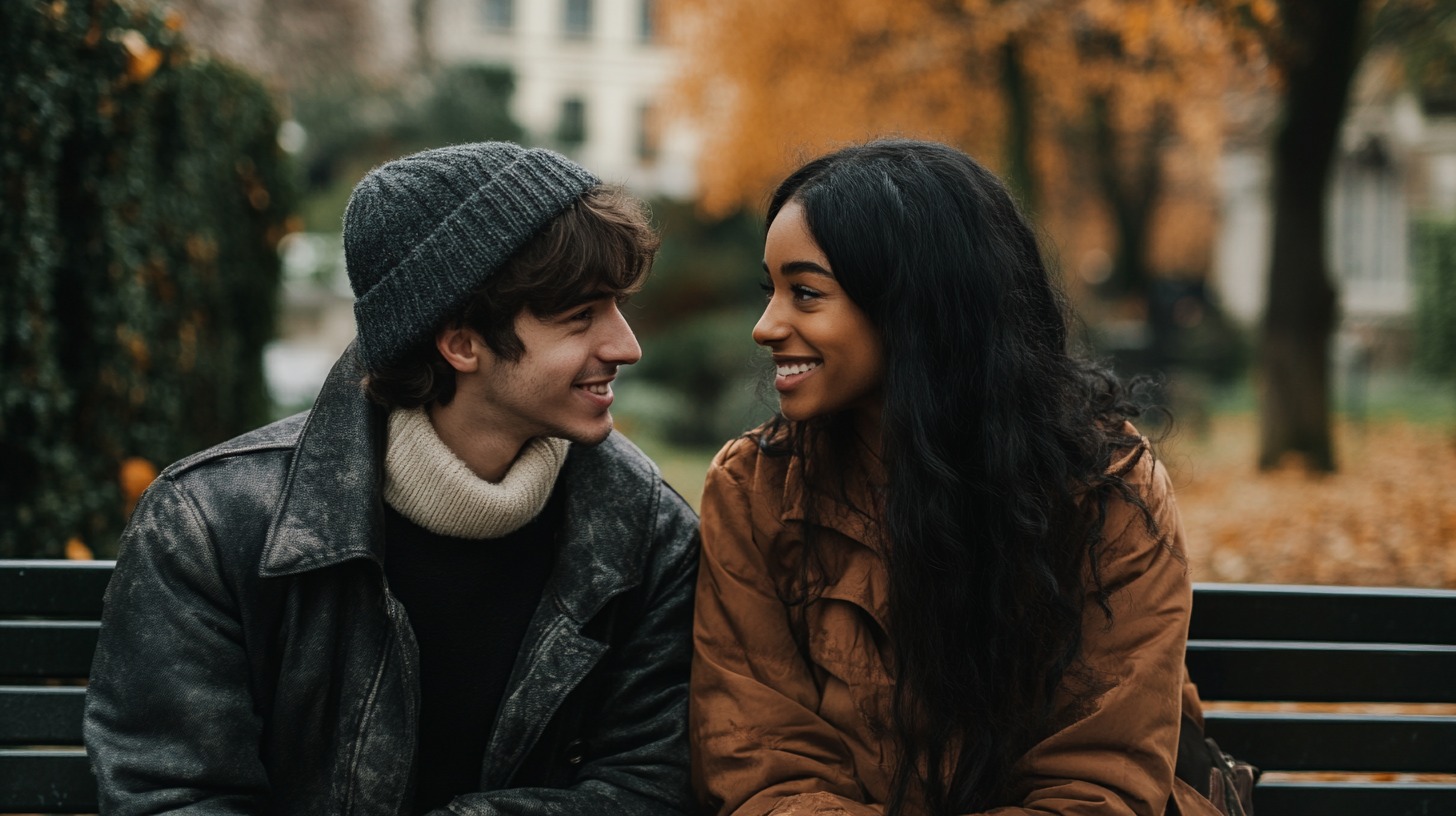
column 76, row 550
column 142, row 60
column 135, row 476
column 773, row 83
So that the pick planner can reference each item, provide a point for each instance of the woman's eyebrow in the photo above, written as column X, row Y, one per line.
column 801, row 268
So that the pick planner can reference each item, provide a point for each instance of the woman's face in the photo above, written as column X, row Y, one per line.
column 827, row 355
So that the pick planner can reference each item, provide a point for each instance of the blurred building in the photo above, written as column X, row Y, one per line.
column 591, row 78
column 591, row 75
column 1396, row 163
column 292, row 44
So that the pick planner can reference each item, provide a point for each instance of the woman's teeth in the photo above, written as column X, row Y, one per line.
column 600, row 389
column 790, row 369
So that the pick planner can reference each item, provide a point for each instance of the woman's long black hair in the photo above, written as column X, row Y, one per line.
column 996, row 440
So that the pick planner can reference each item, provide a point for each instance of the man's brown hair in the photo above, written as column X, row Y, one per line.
column 603, row 244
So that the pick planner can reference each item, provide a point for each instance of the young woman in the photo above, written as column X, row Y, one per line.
column 948, row 577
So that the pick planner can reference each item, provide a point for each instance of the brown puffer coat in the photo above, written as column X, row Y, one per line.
column 775, row 734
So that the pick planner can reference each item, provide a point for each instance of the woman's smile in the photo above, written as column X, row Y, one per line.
column 789, row 373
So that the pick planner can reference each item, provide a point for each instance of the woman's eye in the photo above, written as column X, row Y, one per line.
column 766, row 288
column 803, row 293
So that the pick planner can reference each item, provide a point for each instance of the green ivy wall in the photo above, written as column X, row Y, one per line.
column 142, row 194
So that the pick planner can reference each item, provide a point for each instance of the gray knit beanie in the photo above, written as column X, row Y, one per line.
column 422, row 232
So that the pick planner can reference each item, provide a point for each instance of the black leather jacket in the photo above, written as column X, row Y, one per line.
column 253, row 660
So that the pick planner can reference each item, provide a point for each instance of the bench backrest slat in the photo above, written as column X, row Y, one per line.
column 1315, row 613
column 47, row 649
column 56, row 781
column 41, row 715
column 1285, row 798
column 53, row 589
column 1323, row 672
column 1338, row 742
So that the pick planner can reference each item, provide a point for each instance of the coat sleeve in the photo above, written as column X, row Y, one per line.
column 759, row 745
column 637, row 763
column 169, row 724
column 1115, row 755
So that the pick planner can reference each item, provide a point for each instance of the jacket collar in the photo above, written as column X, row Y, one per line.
column 852, row 518
column 330, row 510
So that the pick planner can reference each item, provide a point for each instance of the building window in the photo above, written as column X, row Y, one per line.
column 576, row 23
column 571, row 130
column 1368, row 199
column 648, row 143
column 647, row 23
column 498, row 15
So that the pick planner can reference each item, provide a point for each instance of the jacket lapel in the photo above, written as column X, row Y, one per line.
column 605, row 529
column 854, row 549
column 852, row 518
column 330, row 510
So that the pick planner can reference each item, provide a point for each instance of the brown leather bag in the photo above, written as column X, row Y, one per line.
column 1225, row 781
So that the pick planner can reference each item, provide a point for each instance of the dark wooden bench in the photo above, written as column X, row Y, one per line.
column 1393, row 650
column 49, row 615
column 1254, row 644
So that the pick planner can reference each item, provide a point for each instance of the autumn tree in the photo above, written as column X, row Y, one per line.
column 1064, row 97
column 995, row 77
column 1314, row 48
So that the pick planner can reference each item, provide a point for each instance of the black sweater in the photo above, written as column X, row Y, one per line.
column 469, row 602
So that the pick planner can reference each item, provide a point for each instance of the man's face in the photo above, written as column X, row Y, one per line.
column 561, row 386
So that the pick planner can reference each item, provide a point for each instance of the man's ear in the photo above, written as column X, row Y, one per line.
column 461, row 347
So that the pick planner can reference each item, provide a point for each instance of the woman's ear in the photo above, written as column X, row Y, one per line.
column 461, row 347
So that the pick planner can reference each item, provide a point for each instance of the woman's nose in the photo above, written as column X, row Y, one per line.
column 770, row 328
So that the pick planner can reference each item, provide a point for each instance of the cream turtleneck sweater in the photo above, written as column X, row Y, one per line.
column 428, row 484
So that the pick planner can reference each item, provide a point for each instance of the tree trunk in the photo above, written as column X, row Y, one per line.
column 1130, row 190
column 1016, row 85
column 1321, row 49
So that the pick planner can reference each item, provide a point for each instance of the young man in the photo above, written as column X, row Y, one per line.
column 449, row 587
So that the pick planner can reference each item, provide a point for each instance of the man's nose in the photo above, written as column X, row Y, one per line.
column 620, row 346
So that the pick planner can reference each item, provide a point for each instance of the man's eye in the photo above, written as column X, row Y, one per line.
column 584, row 314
